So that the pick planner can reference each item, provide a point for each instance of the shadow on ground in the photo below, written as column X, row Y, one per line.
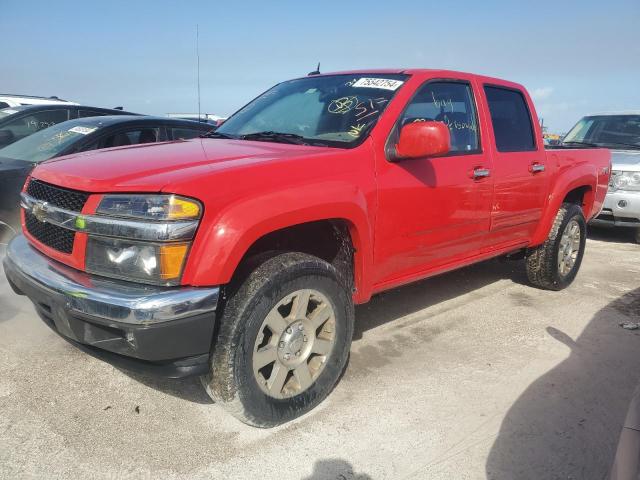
column 617, row 235
column 335, row 469
column 566, row 424
column 189, row 389
column 393, row 304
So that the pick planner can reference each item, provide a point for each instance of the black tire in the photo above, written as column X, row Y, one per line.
column 637, row 235
column 231, row 381
column 542, row 262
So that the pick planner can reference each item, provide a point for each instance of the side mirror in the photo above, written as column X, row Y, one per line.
column 6, row 137
column 423, row 139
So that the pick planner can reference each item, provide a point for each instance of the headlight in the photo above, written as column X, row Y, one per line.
column 114, row 246
column 131, row 260
column 150, row 207
column 621, row 180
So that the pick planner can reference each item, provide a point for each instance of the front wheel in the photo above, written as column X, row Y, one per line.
column 284, row 338
column 555, row 264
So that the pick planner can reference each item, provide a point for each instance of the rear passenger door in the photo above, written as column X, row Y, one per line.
column 519, row 170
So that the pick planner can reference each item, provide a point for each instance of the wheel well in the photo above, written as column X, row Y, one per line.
column 581, row 196
column 329, row 240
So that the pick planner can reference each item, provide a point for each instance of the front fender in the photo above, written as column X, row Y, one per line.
column 225, row 236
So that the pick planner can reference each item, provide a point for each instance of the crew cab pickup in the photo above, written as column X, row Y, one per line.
column 239, row 256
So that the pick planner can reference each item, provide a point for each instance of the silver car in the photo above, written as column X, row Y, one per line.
column 621, row 133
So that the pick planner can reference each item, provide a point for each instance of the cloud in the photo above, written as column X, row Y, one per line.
column 541, row 93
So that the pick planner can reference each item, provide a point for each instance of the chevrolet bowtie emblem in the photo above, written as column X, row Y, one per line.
column 39, row 210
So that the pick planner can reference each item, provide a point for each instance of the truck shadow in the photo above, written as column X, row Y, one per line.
column 566, row 424
column 394, row 304
column 617, row 235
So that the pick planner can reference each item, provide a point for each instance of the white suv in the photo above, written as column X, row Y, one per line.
column 7, row 100
column 621, row 133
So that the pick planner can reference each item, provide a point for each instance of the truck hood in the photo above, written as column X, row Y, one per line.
column 628, row 160
column 152, row 168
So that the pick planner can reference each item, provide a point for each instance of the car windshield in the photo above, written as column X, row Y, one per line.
column 49, row 142
column 332, row 110
column 607, row 130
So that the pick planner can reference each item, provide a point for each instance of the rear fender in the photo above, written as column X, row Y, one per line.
column 568, row 178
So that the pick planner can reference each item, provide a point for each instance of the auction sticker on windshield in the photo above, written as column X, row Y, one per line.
column 384, row 83
column 83, row 130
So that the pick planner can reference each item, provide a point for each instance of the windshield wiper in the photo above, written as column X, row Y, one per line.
column 214, row 134
column 270, row 136
column 586, row 144
column 622, row 144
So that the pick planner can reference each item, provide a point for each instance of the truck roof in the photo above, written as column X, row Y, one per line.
column 430, row 72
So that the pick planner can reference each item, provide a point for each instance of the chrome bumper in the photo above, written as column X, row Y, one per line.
column 110, row 300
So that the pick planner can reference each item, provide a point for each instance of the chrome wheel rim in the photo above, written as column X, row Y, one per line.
column 569, row 248
column 294, row 343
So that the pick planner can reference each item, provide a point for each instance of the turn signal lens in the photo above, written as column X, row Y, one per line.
column 183, row 208
column 171, row 260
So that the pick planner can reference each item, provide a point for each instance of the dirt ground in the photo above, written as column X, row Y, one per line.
column 469, row 375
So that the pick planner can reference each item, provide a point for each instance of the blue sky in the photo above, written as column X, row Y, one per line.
column 576, row 57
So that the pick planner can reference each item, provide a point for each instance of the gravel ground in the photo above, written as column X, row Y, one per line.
column 471, row 374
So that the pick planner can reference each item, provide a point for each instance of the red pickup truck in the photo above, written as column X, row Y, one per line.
column 240, row 256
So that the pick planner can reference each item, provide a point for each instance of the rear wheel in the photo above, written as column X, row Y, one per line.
column 283, row 342
column 555, row 264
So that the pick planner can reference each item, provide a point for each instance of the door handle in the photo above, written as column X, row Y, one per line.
column 480, row 172
column 536, row 167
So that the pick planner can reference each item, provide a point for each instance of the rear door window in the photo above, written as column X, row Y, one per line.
column 183, row 133
column 511, row 120
column 28, row 124
column 90, row 113
column 133, row 136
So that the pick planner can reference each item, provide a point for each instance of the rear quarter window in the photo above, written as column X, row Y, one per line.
column 511, row 120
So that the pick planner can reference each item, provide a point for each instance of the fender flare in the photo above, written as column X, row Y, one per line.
column 581, row 176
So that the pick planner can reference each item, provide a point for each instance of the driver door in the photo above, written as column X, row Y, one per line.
column 434, row 211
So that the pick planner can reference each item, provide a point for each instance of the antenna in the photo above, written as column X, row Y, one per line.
column 316, row 71
column 198, row 57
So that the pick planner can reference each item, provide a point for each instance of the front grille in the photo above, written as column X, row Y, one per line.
column 60, row 197
column 50, row 235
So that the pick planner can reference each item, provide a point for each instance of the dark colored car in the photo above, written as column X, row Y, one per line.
column 80, row 135
column 19, row 122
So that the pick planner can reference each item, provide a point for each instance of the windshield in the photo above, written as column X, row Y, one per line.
column 607, row 130
column 333, row 110
column 49, row 142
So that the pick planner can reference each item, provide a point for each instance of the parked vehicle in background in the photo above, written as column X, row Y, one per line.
column 80, row 135
column 19, row 122
column 9, row 100
column 619, row 132
column 240, row 256
column 209, row 118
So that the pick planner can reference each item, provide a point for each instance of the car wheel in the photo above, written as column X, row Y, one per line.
column 637, row 235
column 555, row 264
column 283, row 340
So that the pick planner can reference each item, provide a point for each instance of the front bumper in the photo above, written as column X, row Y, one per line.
column 620, row 209
column 159, row 330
